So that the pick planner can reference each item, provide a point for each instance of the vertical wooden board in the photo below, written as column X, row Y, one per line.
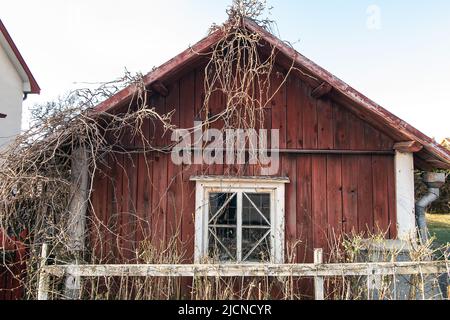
column 372, row 138
column 392, row 198
column 188, row 225
column 174, row 204
column 187, row 101
column 278, row 103
column 341, row 128
column 268, row 122
column 304, row 208
column 334, row 198
column 143, row 197
column 254, row 169
column 290, row 171
column 380, row 194
column 159, row 200
column 325, row 124
column 144, row 174
column 126, row 237
column 112, row 208
column 199, row 93
column 355, row 132
column 350, row 194
column 217, row 105
column 267, row 125
column 172, row 102
column 174, row 176
column 133, row 169
column 105, row 205
column 294, row 120
column 158, row 102
column 310, row 125
column 159, row 182
column 217, row 102
column 386, row 142
column 365, row 195
column 319, row 202
column 128, row 206
column 99, row 215
column 117, row 220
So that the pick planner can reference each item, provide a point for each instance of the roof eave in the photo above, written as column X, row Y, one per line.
column 32, row 86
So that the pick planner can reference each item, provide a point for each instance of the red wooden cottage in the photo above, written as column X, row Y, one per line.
column 346, row 165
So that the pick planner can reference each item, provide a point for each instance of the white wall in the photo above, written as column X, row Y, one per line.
column 406, row 222
column 11, row 97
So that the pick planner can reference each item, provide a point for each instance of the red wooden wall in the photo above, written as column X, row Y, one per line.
column 12, row 267
column 141, row 196
column 10, row 278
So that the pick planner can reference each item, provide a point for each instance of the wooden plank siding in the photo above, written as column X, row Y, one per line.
column 148, row 197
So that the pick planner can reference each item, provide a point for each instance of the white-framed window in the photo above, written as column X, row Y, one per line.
column 239, row 219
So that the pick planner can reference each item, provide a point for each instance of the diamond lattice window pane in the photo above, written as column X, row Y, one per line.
column 256, row 210
column 223, row 244
column 255, row 245
column 223, row 209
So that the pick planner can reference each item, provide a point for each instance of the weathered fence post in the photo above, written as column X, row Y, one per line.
column 43, row 284
column 318, row 281
column 77, row 217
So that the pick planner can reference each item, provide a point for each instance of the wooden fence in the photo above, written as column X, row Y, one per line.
column 318, row 270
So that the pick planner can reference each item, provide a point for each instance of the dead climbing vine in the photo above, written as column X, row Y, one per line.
column 37, row 175
column 36, row 180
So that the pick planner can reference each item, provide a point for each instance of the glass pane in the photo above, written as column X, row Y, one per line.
column 250, row 214
column 223, row 244
column 228, row 214
column 250, row 239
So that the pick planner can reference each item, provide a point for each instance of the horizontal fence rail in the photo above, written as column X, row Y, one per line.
column 317, row 270
column 249, row 270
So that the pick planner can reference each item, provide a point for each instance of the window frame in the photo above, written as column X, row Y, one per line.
column 273, row 186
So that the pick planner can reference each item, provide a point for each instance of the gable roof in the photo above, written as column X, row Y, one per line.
column 433, row 155
column 30, row 83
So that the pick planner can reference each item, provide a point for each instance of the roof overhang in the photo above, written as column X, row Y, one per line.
column 30, row 84
column 432, row 155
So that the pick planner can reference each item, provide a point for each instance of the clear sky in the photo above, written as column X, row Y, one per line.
column 395, row 52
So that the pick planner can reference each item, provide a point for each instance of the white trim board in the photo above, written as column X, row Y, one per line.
column 404, row 177
column 250, row 185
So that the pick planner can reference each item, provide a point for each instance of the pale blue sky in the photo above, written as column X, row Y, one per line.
column 404, row 65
